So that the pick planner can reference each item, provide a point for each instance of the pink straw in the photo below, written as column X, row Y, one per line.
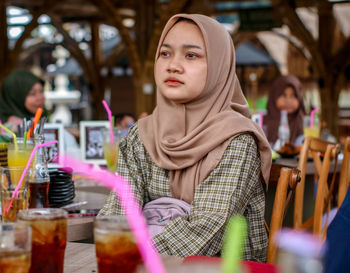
column 312, row 116
column 16, row 192
column 130, row 205
column 2, row 130
column 261, row 119
column 109, row 112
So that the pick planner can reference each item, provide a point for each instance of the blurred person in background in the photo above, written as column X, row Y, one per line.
column 21, row 95
column 285, row 94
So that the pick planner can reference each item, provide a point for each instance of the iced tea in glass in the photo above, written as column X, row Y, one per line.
column 116, row 249
column 9, row 179
column 49, row 227
column 15, row 247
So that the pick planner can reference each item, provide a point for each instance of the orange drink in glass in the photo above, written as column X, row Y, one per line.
column 9, row 179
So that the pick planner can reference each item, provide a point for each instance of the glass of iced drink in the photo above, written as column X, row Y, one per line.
column 18, row 155
column 116, row 249
column 110, row 151
column 9, row 179
column 49, row 227
column 15, row 247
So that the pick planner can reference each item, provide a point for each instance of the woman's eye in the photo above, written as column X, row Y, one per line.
column 164, row 53
column 191, row 55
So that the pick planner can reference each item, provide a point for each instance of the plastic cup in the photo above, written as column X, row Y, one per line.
column 49, row 238
column 308, row 131
column 18, row 157
column 15, row 247
column 111, row 152
column 116, row 249
column 9, row 179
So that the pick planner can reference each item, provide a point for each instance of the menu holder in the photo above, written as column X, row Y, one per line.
column 54, row 131
column 91, row 141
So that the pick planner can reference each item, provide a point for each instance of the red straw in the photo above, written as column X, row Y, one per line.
column 130, row 205
column 109, row 112
column 16, row 191
column 312, row 117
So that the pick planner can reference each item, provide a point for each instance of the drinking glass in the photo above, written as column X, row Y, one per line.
column 49, row 227
column 18, row 155
column 15, row 247
column 110, row 151
column 116, row 249
column 9, row 179
column 308, row 131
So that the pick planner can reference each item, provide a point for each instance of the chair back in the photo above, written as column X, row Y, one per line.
column 344, row 179
column 322, row 153
column 285, row 179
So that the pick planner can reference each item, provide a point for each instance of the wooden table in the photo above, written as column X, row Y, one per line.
column 80, row 258
column 310, row 166
column 80, row 228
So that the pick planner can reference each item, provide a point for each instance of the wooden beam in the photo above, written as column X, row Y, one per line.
column 3, row 33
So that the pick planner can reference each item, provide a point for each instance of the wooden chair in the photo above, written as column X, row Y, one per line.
column 285, row 179
column 344, row 179
column 318, row 148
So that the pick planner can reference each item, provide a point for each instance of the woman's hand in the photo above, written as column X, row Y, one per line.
column 15, row 121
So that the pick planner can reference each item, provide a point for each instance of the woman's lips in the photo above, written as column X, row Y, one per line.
column 173, row 82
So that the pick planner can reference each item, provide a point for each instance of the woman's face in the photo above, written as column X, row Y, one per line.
column 288, row 101
column 35, row 98
column 181, row 67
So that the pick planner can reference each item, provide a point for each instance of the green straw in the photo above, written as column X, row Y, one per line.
column 236, row 233
column 113, row 120
column 25, row 139
column 12, row 133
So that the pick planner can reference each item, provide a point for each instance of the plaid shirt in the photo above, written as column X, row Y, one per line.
column 233, row 187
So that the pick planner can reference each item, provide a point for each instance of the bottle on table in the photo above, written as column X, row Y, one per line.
column 39, row 180
column 283, row 131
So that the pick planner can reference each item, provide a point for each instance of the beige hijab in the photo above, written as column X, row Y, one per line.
column 190, row 139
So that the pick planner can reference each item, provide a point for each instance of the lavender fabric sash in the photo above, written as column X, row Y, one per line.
column 162, row 210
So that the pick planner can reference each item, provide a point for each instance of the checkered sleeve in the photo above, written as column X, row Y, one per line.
column 233, row 187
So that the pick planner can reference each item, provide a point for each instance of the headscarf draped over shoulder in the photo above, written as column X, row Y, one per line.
column 14, row 90
column 190, row 139
column 295, row 120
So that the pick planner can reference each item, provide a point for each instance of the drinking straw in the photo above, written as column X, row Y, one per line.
column 261, row 119
column 16, row 191
column 37, row 116
column 129, row 204
column 236, row 233
column 109, row 113
column 2, row 130
column 312, row 116
column 11, row 133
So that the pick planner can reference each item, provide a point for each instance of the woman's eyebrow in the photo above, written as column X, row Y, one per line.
column 186, row 46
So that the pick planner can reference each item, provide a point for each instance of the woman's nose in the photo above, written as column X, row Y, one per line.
column 174, row 65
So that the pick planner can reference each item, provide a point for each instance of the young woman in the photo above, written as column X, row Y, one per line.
column 21, row 95
column 285, row 94
column 199, row 146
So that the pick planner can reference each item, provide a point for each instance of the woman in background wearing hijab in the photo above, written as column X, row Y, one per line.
column 285, row 94
column 198, row 147
column 21, row 95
